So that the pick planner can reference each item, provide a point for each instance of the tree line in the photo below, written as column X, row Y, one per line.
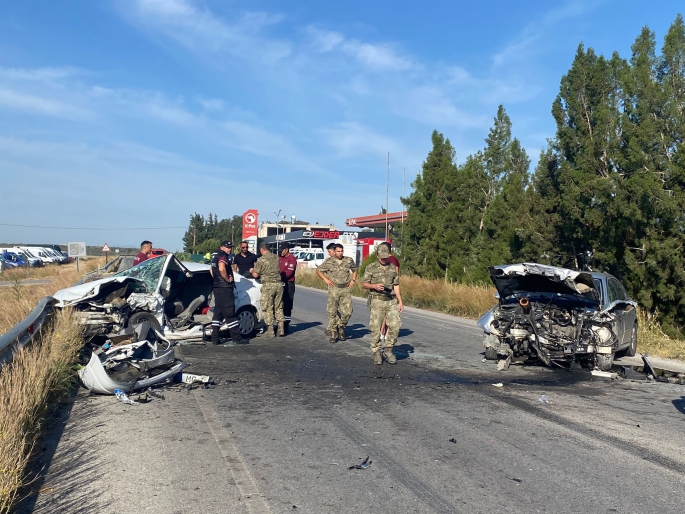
column 607, row 194
column 205, row 234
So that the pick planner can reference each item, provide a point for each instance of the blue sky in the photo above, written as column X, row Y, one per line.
column 137, row 113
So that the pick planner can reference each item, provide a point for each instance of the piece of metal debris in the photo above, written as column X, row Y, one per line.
column 189, row 378
column 543, row 399
column 498, row 384
column 365, row 464
column 453, row 440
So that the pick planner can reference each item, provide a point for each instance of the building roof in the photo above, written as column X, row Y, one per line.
column 377, row 220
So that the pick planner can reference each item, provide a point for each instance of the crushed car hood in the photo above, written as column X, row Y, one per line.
column 516, row 279
column 83, row 292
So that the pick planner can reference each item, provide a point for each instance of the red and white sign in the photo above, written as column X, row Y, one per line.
column 250, row 223
column 321, row 234
column 105, row 248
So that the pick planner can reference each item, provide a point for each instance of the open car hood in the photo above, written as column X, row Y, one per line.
column 516, row 279
column 83, row 292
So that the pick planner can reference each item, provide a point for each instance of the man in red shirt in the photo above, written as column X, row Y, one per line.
column 393, row 262
column 288, row 266
column 145, row 250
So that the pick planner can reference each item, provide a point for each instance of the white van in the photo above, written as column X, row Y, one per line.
column 311, row 257
column 34, row 251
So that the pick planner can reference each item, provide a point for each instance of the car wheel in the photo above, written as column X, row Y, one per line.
column 247, row 321
column 605, row 361
column 140, row 317
column 632, row 349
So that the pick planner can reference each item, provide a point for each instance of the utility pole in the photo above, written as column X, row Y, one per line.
column 194, row 234
column 404, row 176
column 387, row 193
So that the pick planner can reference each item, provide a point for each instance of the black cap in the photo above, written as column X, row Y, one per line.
column 226, row 243
column 285, row 246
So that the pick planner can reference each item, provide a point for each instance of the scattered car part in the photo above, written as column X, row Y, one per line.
column 365, row 464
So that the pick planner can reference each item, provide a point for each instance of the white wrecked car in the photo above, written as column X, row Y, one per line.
column 558, row 316
column 168, row 294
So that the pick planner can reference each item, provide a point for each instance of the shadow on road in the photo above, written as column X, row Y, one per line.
column 357, row 331
column 298, row 327
column 402, row 351
column 680, row 404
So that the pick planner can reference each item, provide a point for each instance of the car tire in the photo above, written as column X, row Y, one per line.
column 605, row 361
column 247, row 321
column 632, row 348
column 491, row 353
column 141, row 316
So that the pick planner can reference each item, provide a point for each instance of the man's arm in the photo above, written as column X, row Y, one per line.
column 366, row 282
column 224, row 273
column 400, row 304
column 319, row 271
column 354, row 278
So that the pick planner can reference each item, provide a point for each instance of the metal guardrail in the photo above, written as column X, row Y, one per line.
column 23, row 332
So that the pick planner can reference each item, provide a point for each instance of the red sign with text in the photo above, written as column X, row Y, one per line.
column 250, row 223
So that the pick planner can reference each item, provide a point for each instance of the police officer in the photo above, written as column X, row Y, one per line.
column 288, row 268
column 224, row 298
column 383, row 283
column 267, row 268
column 340, row 273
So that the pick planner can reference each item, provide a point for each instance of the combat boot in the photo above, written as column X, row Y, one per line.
column 281, row 329
column 334, row 336
column 341, row 333
column 389, row 356
column 286, row 328
column 269, row 332
column 377, row 359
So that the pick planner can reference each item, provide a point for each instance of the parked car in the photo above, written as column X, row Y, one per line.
column 559, row 316
column 14, row 258
column 21, row 254
column 171, row 296
column 6, row 264
column 310, row 257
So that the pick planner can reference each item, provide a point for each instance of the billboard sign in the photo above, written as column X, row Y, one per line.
column 76, row 249
column 250, row 223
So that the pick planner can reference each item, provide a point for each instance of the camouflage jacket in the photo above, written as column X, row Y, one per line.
column 338, row 271
column 376, row 273
column 269, row 268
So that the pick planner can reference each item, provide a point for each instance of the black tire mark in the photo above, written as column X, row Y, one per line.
column 421, row 490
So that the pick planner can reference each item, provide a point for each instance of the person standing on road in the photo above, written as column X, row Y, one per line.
column 145, row 251
column 224, row 296
column 244, row 261
column 268, row 269
column 393, row 262
column 383, row 283
column 288, row 267
column 340, row 274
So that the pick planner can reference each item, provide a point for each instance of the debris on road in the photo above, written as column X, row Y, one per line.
column 123, row 397
column 498, row 384
column 365, row 464
column 603, row 374
column 453, row 440
column 189, row 378
column 543, row 399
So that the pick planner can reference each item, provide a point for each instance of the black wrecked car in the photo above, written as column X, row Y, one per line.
column 558, row 316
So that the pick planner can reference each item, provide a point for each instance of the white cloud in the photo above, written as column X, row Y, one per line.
column 351, row 139
column 199, row 30
column 212, row 104
column 39, row 74
column 38, row 105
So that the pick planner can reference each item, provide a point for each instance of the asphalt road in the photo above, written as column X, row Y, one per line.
column 291, row 415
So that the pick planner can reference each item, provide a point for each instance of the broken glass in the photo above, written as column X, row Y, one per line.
column 148, row 271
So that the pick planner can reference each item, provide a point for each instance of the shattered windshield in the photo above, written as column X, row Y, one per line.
column 148, row 271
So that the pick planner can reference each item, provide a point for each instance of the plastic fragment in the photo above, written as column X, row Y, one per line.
column 123, row 397
column 543, row 399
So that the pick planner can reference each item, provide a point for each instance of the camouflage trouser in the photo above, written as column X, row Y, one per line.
column 384, row 309
column 339, row 307
column 272, row 303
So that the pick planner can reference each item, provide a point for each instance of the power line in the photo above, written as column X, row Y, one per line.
column 88, row 228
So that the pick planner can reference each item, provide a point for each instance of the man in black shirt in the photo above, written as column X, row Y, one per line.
column 244, row 261
column 224, row 298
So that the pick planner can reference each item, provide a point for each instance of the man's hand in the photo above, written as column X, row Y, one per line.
column 329, row 282
column 379, row 287
column 351, row 284
column 400, row 306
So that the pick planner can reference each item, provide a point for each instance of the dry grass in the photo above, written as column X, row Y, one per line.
column 650, row 338
column 473, row 301
column 37, row 375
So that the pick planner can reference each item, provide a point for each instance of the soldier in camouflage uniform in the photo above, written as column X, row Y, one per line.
column 268, row 269
column 383, row 283
column 339, row 273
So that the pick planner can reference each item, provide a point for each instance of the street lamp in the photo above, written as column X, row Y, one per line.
column 278, row 214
